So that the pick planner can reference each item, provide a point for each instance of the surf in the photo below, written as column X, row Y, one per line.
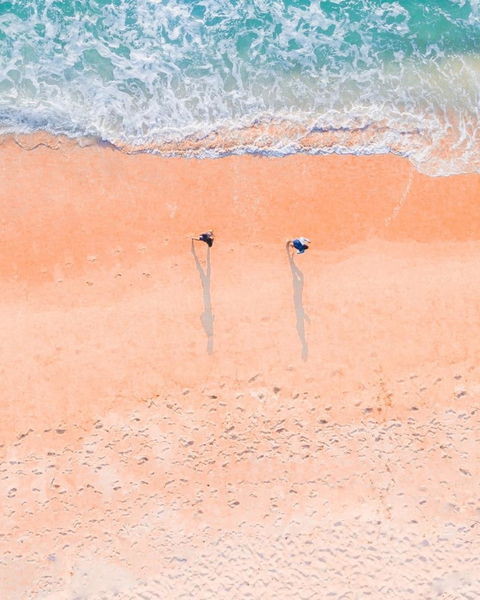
column 207, row 78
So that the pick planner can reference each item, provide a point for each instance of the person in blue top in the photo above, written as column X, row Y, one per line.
column 300, row 244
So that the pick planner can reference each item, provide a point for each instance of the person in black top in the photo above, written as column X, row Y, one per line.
column 206, row 237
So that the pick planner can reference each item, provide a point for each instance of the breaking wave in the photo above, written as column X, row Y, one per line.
column 213, row 77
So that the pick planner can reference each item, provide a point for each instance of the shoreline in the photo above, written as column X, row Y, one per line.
column 284, row 138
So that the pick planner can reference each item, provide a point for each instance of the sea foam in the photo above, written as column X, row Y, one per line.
column 213, row 77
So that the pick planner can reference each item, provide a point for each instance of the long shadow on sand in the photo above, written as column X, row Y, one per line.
column 205, row 277
column 301, row 316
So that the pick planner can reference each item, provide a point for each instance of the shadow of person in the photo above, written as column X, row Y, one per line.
column 301, row 316
column 205, row 277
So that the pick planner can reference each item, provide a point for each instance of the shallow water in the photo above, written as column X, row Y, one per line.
column 351, row 76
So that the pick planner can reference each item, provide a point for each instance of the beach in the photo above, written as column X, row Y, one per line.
column 237, row 423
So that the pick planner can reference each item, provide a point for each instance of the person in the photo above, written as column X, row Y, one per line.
column 206, row 237
column 300, row 244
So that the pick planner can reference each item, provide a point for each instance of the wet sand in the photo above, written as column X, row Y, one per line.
column 237, row 424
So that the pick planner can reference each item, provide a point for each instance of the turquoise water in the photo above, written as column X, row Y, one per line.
column 151, row 74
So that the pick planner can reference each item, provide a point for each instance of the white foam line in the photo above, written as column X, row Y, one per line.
column 398, row 207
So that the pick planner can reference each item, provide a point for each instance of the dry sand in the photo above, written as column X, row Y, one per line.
column 258, row 429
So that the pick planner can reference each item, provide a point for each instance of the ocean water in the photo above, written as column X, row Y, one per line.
column 213, row 77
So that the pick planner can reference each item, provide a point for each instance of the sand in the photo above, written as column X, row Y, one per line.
column 234, row 424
